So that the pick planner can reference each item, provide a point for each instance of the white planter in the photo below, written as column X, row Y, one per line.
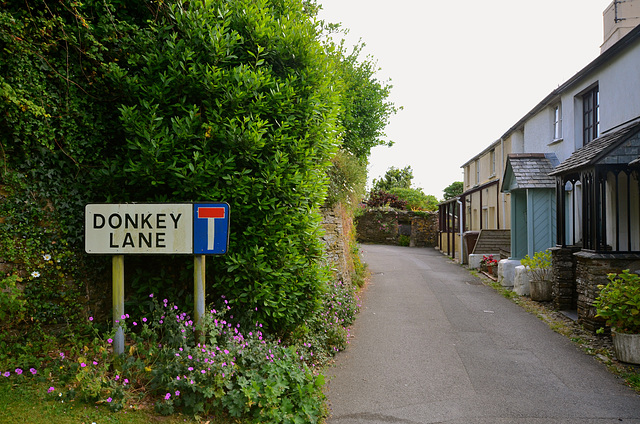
column 507, row 271
column 627, row 347
column 521, row 282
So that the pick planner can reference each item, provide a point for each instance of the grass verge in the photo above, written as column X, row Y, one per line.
column 30, row 403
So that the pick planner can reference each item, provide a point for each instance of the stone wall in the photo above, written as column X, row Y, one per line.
column 565, row 294
column 387, row 226
column 592, row 270
column 338, row 226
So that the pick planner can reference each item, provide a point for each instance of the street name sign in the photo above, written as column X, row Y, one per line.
column 157, row 228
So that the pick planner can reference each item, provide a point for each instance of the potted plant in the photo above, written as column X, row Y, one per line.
column 541, row 285
column 619, row 305
column 488, row 264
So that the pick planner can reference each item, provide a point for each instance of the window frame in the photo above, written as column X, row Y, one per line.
column 557, row 122
column 590, row 115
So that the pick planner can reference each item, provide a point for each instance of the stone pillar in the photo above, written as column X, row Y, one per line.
column 593, row 270
column 565, row 294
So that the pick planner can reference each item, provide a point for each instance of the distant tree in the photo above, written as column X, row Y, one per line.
column 455, row 189
column 365, row 107
column 394, row 178
column 416, row 199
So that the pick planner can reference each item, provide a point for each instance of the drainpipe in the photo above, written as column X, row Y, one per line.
column 461, row 231
column 503, row 204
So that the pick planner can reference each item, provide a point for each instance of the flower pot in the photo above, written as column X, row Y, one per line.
column 627, row 347
column 491, row 270
column 541, row 290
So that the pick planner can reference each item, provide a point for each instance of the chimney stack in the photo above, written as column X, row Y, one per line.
column 619, row 18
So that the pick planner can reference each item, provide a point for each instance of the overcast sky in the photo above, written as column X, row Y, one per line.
column 465, row 71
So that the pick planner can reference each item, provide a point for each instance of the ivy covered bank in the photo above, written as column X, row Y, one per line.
column 170, row 101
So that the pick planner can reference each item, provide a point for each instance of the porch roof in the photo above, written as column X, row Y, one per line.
column 606, row 149
column 529, row 170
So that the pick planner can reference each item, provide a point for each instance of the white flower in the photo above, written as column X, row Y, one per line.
column 35, row 274
column 47, row 257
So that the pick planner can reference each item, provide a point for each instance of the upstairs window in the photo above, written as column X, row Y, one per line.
column 557, row 122
column 492, row 158
column 477, row 171
column 590, row 116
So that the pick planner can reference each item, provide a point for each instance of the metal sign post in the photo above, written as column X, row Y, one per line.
column 198, row 292
column 117, row 268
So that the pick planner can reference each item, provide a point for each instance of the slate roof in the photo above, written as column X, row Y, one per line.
column 598, row 149
column 531, row 170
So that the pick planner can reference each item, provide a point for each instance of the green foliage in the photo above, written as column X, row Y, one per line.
column 415, row 198
column 347, row 179
column 394, row 178
column 172, row 101
column 619, row 302
column 540, row 265
column 453, row 190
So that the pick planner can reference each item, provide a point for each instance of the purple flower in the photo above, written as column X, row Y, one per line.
column 109, row 399
column 7, row 374
column 177, row 392
column 90, row 318
column 18, row 371
column 144, row 320
column 151, row 295
column 109, row 341
column 33, row 371
column 82, row 364
column 51, row 389
column 167, row 396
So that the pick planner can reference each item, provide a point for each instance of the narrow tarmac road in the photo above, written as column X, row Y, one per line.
column 432, row 344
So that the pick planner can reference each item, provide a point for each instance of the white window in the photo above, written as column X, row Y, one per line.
column 557, row 122
column 477, row 171
column 492, row 159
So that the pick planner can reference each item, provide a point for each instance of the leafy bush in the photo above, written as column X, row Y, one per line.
column 619, row 302
column 540, row 265
column 379, row 199
column 181, row 101
column 347, row 178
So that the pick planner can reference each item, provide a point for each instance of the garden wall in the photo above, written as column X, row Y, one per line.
column 393, row 227
column 577, row 275
column 338, row 226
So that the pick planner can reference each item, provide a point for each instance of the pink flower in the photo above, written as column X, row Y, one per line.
column 51, row 389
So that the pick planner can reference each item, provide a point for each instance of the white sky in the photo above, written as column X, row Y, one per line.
column 465, row 71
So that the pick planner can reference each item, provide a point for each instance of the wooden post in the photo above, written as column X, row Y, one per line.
column 117, row 267
column 198, row 292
